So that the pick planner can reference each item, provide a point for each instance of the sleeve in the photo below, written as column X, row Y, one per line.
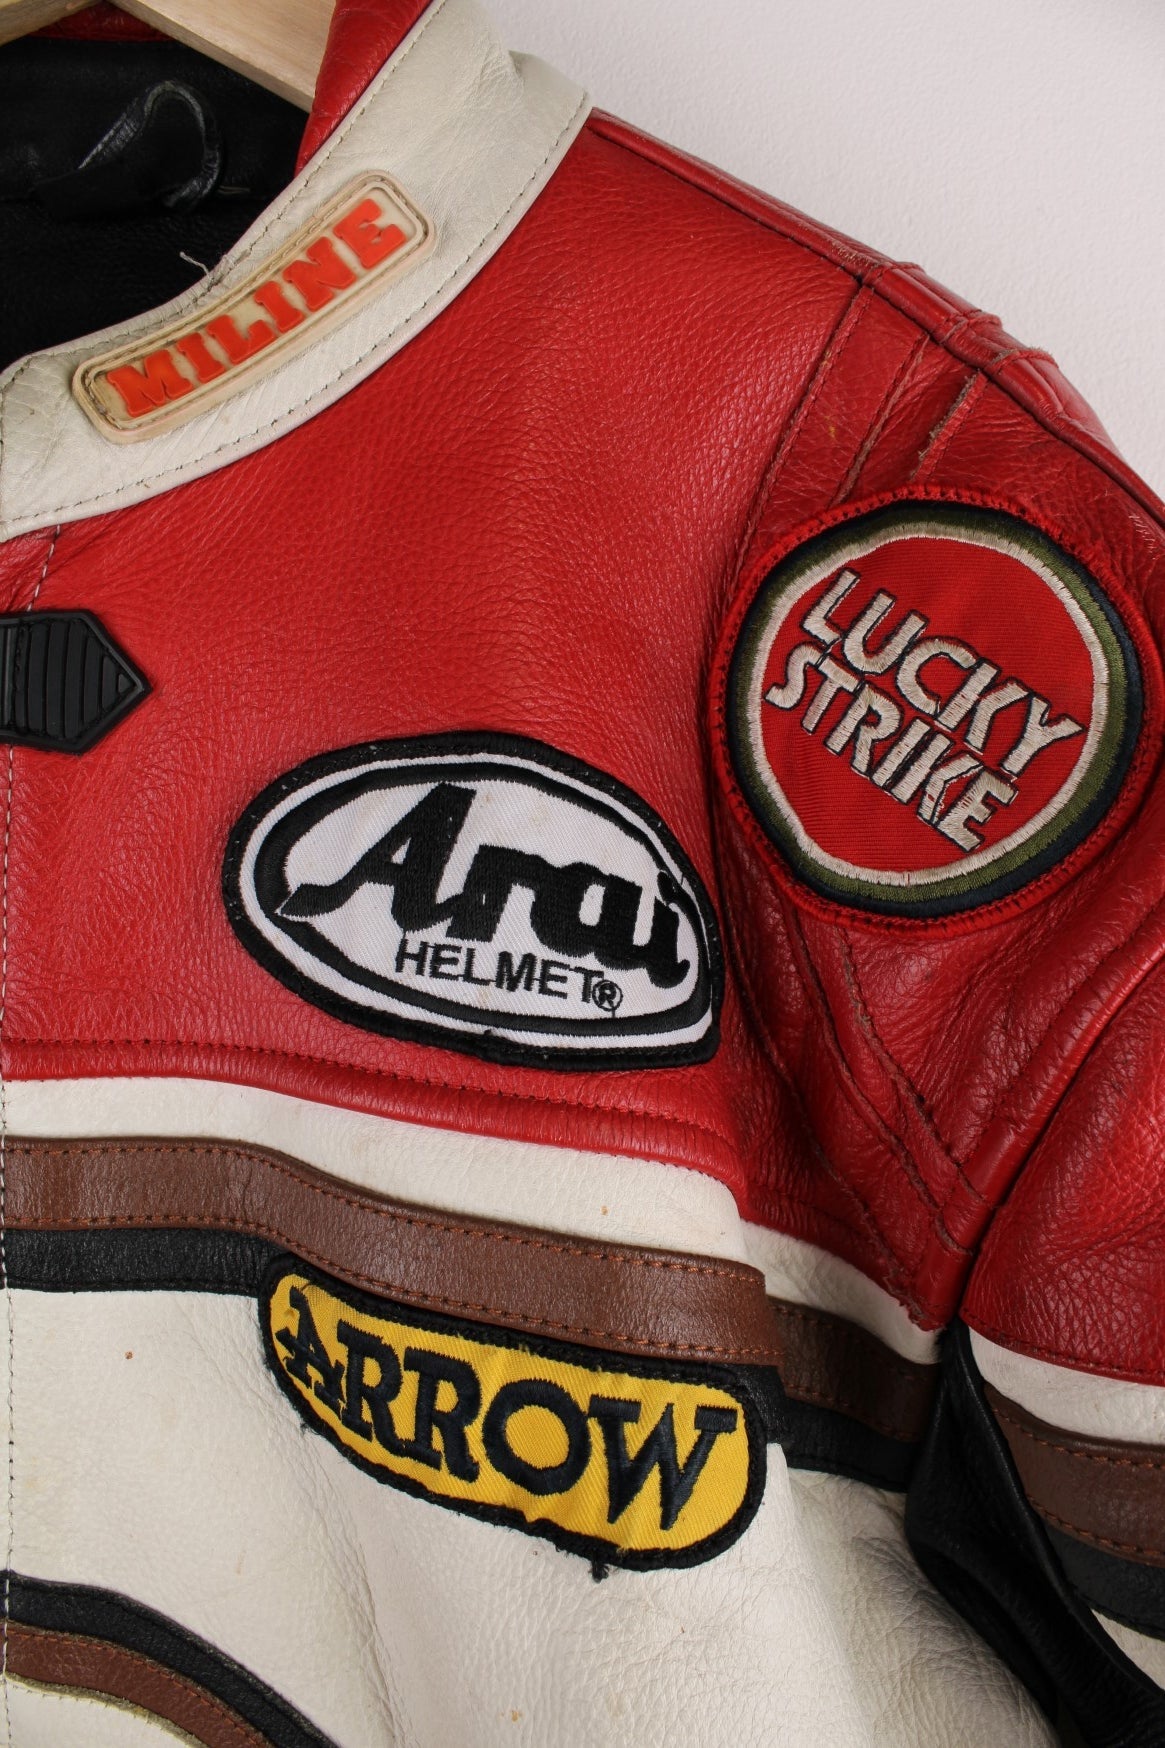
column 937, row 723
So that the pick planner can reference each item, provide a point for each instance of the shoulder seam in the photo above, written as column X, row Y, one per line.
column 883, row 277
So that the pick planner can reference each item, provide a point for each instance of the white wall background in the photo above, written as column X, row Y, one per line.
column 1016, row 148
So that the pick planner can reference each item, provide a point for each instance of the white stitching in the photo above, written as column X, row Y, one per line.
column 4, row 1288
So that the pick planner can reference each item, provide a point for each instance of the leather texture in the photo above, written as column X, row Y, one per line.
column 1088, row 1217
column 57, row 1660
column 1081, row 1400
column 533, row 507
column 1104, row 1492
column 361, row 39
column 826, row 1360
column 53, row 1718
column 612, row 1297
column 814, row 1627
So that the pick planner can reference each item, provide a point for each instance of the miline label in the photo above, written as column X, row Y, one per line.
column 929, row 706
column 482, row 892
column 367, row 234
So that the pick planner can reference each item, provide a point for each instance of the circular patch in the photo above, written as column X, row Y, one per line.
column 929, row 706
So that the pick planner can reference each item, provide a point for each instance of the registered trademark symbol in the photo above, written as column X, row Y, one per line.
column 607, row 995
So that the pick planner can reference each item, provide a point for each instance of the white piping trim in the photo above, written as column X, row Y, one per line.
column 471, row 133
column 1074, row 1401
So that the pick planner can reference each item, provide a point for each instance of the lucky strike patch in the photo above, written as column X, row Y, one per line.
column 626, row 1462
column 928, row 706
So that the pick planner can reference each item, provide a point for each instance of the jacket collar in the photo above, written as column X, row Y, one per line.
column 467, row 133
column 363, row 36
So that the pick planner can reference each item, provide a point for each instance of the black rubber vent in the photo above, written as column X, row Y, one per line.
column 63, row 681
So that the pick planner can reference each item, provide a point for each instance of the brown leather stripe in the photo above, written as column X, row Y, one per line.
column 90, row 1665
column 614, row 1297
column 831, row 1363
column 1102, row 1491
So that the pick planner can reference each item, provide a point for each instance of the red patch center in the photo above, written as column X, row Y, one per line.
column 925, row 701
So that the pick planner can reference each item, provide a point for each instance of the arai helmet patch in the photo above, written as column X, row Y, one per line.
column 928, row 706
column 484, row 892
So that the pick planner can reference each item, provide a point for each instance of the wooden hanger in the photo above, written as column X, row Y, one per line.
column 277, row 43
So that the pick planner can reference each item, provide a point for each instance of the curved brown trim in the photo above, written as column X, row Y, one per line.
column 1105, row 1492
column 616, row 1297
column 829, row 1362
column 63, row 1660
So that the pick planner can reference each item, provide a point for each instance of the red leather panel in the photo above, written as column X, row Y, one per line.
column 1072, row 1270
column 532, row 521
column 409, row 562
column 967, row 333
column 363, row 35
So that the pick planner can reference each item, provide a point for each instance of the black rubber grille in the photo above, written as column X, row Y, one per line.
column 63, row 681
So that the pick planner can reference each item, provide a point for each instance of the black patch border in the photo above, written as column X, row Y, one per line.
column 597, row 1552
column 1061, row 847
column 486, row 1045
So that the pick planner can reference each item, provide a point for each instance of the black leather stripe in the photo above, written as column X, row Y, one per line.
column 143, row 1261
column 977, row 1538
column 90, row 1613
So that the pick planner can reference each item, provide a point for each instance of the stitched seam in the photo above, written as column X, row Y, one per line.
column 848, row 326
column 10, row 1317
column 921, row 1105
column 861, row 1105
column 428, row 1223
column 825, row 1399
column 1049, row 1444
column 1099, row 1541
column 505, row 1314
column 881, row 418
column 860, row 269
column 1089, row 982
column 896, row 1269
column 383, row 339
column 242, row 1733
column 322, row 161
column 704, row 1130
column 947, row 428
column 1073, row 1361
column 836, row 341
column 922, row 1373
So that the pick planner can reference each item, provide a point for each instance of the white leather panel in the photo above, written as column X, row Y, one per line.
column 471, row 133
column 805, row 1275
column 181, row 1477
column 922, row 1674
column 44, row 1717
column 1074, row 1401
column 588, row 1195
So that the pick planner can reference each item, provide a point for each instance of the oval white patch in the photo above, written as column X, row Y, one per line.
column 483, row 892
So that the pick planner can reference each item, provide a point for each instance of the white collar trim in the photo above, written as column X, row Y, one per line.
column 470, row 132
